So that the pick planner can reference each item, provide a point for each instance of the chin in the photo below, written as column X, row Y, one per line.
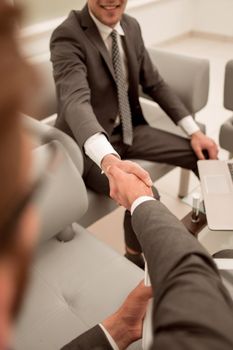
column 111, row 21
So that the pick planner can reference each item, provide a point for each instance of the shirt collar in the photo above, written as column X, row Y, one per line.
column 104, row 30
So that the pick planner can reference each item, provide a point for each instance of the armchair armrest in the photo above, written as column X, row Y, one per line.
column 159, row 119
column 226, row 135
column 46, row 133
column 187, row 76
column 228, row 86
column 64, row 198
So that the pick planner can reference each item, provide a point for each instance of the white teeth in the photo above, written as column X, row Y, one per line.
column 110, row 7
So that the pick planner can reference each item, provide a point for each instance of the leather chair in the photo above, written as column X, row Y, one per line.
column 74, row 284
column 226, row 131
column 189, row 77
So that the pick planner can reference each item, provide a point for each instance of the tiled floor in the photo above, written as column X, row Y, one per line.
column 109, row 229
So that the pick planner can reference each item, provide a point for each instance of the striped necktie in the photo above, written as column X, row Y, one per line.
column 123, row 100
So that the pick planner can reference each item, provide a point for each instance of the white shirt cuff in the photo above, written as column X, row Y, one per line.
column 139, row 201
column 110, row 338
column 189, row 125
column 224, row 264
column 97, row 147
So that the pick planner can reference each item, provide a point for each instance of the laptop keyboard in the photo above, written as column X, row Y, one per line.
column 230, row 166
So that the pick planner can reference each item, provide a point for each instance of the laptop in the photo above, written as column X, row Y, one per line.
column 217, row 188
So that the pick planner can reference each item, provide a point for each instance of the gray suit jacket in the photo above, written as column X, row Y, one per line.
column 93, row 339
column 192, row 308
column 85, row 81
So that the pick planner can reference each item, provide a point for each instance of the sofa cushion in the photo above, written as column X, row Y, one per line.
column 74, row 286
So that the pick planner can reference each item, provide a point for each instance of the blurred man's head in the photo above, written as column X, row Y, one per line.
column 17, row 227
column 109, row 12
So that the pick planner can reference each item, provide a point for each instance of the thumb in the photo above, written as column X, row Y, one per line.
column 115, row 172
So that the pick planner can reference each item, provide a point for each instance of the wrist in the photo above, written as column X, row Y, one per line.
column 108, row 160
column 197, row 134
column 139, row 201
column 118, row 331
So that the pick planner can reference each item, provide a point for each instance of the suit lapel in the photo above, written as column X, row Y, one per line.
column 94, row 36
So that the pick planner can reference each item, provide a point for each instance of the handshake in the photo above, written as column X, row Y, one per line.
column 127, row 180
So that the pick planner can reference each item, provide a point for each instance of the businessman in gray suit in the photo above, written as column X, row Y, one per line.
column 99, row 61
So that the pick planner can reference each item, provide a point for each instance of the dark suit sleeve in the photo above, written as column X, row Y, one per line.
column 94, row 339
column 192, row 309
column 73, row 91
column 153, row 85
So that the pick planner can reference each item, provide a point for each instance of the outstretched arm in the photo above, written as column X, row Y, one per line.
column 192, row 309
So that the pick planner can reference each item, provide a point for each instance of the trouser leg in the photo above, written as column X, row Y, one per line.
column 160, row 146
column 97, row 181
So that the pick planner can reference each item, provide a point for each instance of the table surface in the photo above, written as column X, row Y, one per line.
column 215, row 241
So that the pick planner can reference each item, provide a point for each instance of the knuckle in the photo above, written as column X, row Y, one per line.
column 112, row 193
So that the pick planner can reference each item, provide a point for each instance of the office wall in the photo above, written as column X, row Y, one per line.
column 214, row 16
column 164, row 19
column 160, row 19
column 37, row 11
column 43, row 10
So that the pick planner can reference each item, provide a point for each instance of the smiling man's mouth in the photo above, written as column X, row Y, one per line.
column 110, row 7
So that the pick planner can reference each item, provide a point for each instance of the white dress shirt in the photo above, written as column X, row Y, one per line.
column 139, row 201
column 97, row 146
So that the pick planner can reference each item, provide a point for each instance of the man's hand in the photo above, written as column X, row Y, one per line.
column 125, row 326
column 201, row 142
column 125, row 167
column 125, row 188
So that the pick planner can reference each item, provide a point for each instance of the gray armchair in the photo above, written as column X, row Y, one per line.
column 226, row 131
column 75, row 284
column 189, row 78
